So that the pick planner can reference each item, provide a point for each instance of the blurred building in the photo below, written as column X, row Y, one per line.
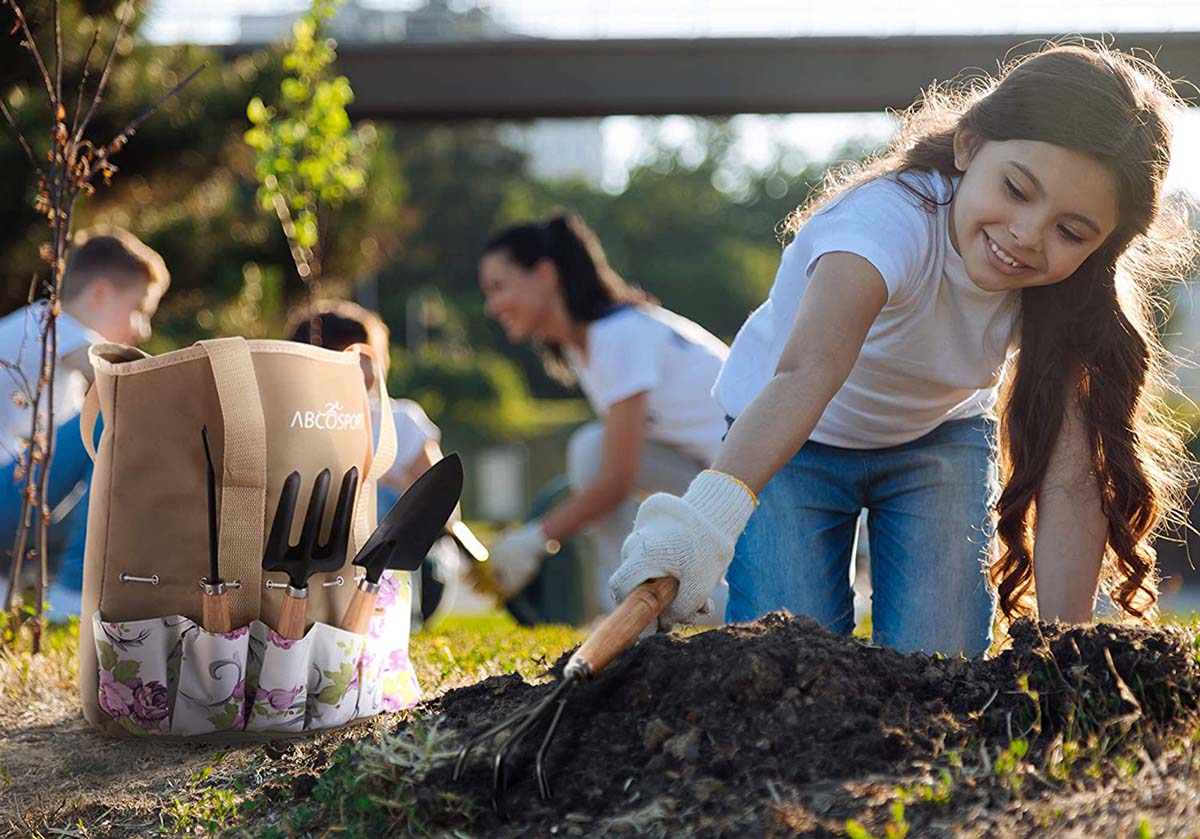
column 557, row 148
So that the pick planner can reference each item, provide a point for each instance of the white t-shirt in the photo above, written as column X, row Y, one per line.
column 20, row 346
column 672, row 359
column 413, row 429
column 935, row 353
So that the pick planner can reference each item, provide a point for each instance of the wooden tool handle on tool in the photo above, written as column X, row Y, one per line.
column 214, row 614
column 292, row 617
column 359, row 612
column 618, row 630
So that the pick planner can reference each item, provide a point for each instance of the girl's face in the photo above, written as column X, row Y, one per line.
column 1027, row 213
column 520, row 299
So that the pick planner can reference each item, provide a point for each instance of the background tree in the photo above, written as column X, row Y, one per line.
column 308, row 156
column 67, row 164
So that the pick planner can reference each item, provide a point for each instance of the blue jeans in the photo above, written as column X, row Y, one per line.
column 930, row 524
column 70, row 466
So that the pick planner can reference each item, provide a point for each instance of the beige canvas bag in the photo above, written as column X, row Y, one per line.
column 270, row 408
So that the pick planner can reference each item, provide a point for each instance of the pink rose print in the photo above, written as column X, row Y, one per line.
column 387, row 592
column 397, row 660
column 235, row 634
column 281, row 699
column 278, row 640
column 149, row 703
column 116, row 698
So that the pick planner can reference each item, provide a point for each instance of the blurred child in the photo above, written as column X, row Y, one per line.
column 111, row 288
column 342, row 324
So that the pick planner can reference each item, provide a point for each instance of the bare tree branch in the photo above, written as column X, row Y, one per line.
column 20, row 137
column 58, row 115
column 31, row 45
column 87, row 67
column 104, row 74
column 119, row 141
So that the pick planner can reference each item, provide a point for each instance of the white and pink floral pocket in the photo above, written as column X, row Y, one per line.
column 168, row 676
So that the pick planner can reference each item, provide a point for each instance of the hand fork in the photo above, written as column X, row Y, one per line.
column 614, row 634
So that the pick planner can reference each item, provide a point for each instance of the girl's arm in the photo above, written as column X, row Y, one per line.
column 1071, row 531
column 843, row 298
column 624, row 433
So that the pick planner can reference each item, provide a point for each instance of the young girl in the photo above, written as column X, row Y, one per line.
column 647, row 373
column 1013, row 229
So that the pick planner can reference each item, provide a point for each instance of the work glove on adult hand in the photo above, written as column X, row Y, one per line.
column 689, row 538
column 516, row 557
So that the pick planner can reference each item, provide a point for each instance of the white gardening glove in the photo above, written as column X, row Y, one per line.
column 517, row 556
column 689, row 538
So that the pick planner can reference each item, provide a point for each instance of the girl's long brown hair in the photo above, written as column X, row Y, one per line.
column 1093, row 336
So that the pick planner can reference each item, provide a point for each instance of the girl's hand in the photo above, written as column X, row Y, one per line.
column 517, row 556
column 689, row 538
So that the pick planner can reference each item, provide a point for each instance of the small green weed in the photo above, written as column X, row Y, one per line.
column 896, row 828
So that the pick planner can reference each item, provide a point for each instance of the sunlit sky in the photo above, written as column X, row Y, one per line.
column 814, row 136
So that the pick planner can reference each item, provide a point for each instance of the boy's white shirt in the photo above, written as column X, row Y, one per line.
column 672, row 359
column 20, row 345
column 935, row 352
column 413, row 429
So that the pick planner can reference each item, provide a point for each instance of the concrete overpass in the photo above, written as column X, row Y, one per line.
column 704, row 76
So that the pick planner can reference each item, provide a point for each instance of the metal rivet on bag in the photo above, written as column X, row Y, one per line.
column 339, row 581
column 228, row 583
column 273, row 584
column 129, row 578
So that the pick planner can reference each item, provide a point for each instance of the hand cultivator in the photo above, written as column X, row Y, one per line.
column 613, row 635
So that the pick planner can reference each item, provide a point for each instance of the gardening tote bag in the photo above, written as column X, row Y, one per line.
column 270, row 408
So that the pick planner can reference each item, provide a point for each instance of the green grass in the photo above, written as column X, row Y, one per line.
column 465, row 649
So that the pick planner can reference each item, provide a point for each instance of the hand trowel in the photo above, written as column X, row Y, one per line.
column 405, row 535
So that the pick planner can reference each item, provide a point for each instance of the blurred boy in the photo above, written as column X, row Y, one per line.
column 111, row 288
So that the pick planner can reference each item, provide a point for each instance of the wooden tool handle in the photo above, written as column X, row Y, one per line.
column 215, row 613
column 292, row 617
column 618, row 630
column 359, row 612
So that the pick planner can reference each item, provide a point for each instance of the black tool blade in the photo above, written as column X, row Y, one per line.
column 415, row 521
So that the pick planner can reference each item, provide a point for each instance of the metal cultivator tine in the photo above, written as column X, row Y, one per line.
column 614, row 634
column 522, row 723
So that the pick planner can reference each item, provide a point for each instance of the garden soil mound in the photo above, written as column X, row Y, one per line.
column 715, row 723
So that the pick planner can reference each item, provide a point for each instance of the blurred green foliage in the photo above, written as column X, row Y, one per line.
column 693, row 227
column 308, row 157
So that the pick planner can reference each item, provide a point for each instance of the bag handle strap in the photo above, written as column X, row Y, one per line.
column 385, row 452
column 243, row 473
column 87, row 420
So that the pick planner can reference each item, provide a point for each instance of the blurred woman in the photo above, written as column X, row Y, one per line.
column 647, row 373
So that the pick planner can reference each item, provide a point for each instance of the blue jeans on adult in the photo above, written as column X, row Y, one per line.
column 70, row 466
column 929, row 517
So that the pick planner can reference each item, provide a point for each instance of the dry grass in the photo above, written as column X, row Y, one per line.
column 59, row 778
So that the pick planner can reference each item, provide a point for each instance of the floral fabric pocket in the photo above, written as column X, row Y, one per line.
column 211, row 693
column 168, row 676
column 333, row 676
column 279, row 688
column 138, row 663
column 388, row 680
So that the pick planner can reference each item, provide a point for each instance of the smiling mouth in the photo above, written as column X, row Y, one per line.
column 1002, row 255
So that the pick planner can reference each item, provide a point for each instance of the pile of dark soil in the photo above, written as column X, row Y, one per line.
column 696, row 736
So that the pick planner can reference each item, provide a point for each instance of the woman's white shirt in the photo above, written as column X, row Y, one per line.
column 936, row 351
column 673, row 360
